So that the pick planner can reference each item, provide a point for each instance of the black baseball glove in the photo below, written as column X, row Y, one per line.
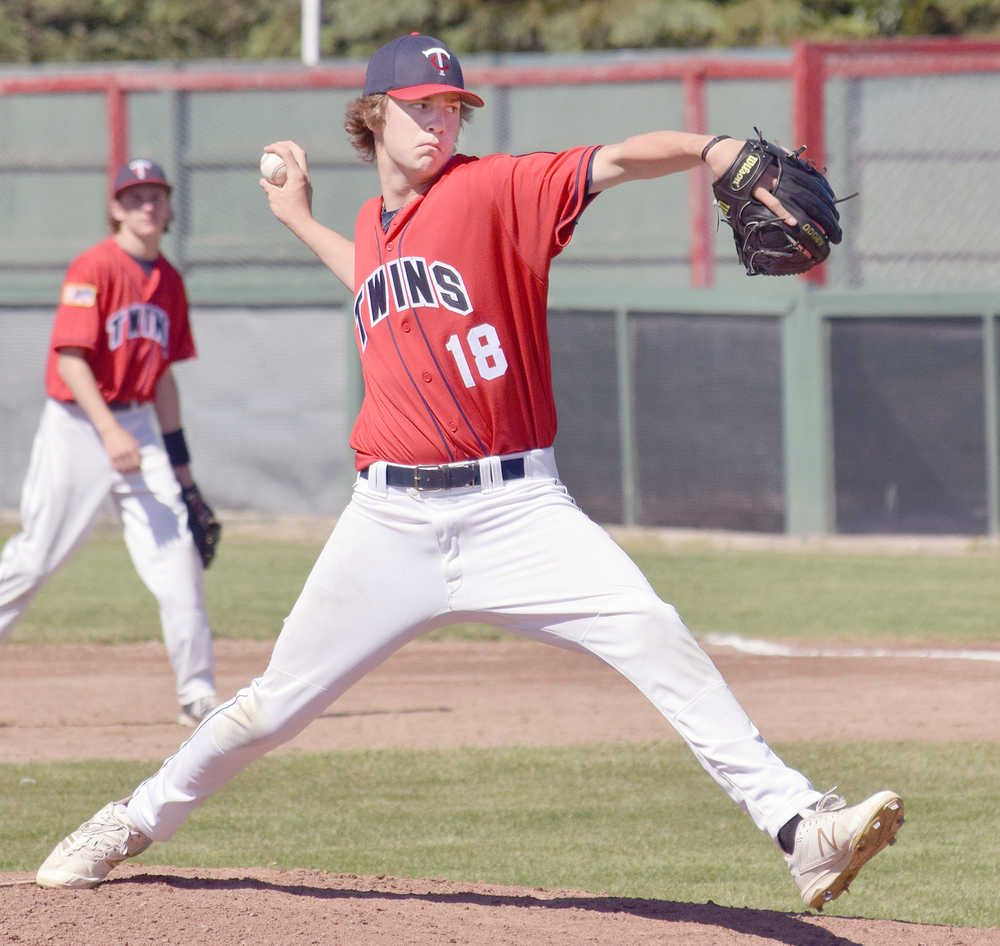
column 205, row 528
column 765, row 243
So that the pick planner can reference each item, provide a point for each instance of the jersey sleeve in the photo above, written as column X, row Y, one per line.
column 78, row 316
column 541, row 198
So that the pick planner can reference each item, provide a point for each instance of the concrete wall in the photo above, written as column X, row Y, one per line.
column 267, row 405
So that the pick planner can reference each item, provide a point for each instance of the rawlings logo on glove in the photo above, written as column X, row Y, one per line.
column 764, row 242
column 205, row 528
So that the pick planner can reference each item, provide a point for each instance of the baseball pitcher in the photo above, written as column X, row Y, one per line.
column 458, row 512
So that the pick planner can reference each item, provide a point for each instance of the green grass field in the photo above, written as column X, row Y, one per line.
column 624, row 820
column 777, row 594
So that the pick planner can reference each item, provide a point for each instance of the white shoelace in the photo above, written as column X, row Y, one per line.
column 830, row 802
column 104, row 837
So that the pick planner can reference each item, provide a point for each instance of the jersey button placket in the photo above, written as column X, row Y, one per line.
column 427, row 376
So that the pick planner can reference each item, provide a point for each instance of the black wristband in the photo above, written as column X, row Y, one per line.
column 177, row 448
column 714, row 141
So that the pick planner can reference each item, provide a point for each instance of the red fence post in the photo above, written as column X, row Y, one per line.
column 117, row 129
column 808, row 101
column 702, row 251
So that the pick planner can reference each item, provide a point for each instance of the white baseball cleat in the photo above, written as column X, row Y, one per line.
column 193, row 713
column 86, row 857
column 833, row 842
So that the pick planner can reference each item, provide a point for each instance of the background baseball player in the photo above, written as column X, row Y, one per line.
column 122, row 321
column 458, row 512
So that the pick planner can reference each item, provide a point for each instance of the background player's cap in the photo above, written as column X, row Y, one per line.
column 415, row 66
column 139, row 171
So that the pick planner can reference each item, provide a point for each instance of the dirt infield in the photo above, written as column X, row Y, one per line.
column 433, row 695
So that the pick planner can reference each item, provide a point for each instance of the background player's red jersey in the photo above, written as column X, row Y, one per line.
column 132, row 325
column 436, row 317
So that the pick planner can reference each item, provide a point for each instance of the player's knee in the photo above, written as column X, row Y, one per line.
column 23, row 578
column 673, row 619
column 177, row 585
column 263, row 715
column 248, row 720
column 657, row 614
column 658, row 625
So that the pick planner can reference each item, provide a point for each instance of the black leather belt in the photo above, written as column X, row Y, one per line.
column 447, row 475
column 123, row 405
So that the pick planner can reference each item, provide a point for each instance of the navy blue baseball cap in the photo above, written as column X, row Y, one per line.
column 414, row 67
column 139, row 171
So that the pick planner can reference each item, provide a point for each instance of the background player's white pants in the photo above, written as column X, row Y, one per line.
column 521, row 556
column 69, row 477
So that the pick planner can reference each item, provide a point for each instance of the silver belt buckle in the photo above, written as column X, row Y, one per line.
column 445, row 476
column 421, row 477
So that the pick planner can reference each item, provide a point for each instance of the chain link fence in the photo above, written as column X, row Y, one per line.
column 698, row 436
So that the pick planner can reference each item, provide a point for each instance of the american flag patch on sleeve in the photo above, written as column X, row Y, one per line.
column 79, row 293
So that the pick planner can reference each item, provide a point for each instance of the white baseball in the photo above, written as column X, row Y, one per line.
column 273, row 168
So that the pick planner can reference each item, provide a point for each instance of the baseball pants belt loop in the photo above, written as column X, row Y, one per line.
column 446, row 475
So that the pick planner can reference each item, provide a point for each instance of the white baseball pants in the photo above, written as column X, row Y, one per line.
column 69, row 477
column 519, row 555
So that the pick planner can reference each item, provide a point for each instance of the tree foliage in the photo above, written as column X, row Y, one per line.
column 33, row 31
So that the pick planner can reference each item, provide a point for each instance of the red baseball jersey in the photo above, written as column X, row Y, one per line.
column 450, row 309
column 133, row 325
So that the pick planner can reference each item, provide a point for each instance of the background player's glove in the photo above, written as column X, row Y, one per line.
column 764, row 242
column 205, row 528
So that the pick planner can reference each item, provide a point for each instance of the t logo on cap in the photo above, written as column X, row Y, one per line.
column 440, row 59
column 416, row 67
column 139, row 171
column 140, row 167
